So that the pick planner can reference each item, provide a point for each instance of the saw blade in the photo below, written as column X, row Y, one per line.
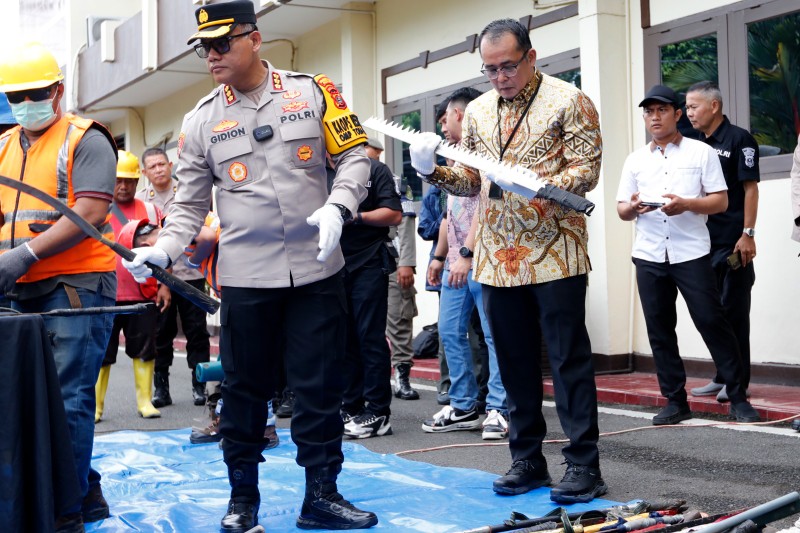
column 522, row 178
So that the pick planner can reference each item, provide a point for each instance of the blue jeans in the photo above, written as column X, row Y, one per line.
column 455, row 308
column 79, row 344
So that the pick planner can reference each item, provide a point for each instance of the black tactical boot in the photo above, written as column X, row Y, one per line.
column 402, row 388
column 242, row 514
column 286, row 408
column 324, row 508
column 198, row 391
column 161, row 395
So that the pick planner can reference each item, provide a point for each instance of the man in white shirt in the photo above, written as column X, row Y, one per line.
column 669, row 187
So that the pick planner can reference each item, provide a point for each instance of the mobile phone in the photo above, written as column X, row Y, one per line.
column 653, row 204
column 735, row 261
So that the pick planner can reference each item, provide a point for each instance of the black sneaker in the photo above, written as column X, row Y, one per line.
column 523, row 476
column 368, row 425
column 286, row 408
column 332, row 511
column 580, row 484
column 452, row 419
column 672, row 414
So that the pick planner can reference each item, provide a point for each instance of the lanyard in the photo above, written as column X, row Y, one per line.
column 495, row 192
column 503, row 147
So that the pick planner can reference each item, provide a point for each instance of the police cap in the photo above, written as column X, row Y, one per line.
column 216, row 20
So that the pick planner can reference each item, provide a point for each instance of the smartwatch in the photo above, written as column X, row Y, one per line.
column 346, row 214
column 750, row 232
column 465, row 252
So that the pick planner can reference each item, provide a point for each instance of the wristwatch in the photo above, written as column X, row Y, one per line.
column 750, row 232
column 439, row 258
column 346, row 214
column 465, row 252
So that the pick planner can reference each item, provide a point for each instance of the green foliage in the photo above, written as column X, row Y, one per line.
column 687, row 62
column 774, row 61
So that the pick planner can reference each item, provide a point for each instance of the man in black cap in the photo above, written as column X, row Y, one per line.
column 261, row 138
column 669, row 187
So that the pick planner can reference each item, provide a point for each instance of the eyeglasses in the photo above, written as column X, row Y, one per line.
column 508, row 71
column 36, row 95
column 221, row 45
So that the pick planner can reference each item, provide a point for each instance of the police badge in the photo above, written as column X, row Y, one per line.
column 749, row 157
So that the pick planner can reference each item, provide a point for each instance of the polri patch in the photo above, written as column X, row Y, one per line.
column 304, row 153
column 237, row 171
column 327, row 84
column 749, row 157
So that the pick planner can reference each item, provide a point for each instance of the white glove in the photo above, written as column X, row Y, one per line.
column 423, row 152
column 151, row 254
column 515, row 181
column 329, row 221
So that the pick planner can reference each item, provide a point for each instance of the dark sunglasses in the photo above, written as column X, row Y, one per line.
column 36, row 95
column 221, row 45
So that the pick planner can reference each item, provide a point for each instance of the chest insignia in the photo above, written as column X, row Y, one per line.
column 293, row 107
column 304, row 153
column 224, row 125
column 289, row 95
column 237, row 171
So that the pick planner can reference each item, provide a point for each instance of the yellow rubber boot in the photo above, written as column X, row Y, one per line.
column 143, row 379
column 100, row 389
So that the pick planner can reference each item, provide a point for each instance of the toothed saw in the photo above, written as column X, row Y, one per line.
column 525, row 179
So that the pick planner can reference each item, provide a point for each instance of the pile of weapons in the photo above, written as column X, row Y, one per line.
column 670, row 516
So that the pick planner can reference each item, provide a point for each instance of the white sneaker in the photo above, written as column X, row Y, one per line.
column 495, row 426
column 452, row 419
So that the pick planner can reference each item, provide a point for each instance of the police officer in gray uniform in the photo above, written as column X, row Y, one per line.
column 261, row 138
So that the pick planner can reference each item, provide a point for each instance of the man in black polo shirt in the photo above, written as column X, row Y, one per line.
column 733, row 244
column 367, row 265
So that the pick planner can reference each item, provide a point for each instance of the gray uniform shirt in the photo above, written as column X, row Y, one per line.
column 266, row 188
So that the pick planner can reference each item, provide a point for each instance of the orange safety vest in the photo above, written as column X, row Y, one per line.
column 48, row 167
column 208, row 266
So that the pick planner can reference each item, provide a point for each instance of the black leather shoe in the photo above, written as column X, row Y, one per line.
column 69, row 523
column 580, row 484
column 94, row 506
column 286, row 408
column 332, row 511
column 744, row 412
column 672, row 414
column 522, row 477
column 443, row 398
column 241, row 517
column 161, row 395
column 796, row 424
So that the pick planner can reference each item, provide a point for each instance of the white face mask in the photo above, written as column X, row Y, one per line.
column 33, row 116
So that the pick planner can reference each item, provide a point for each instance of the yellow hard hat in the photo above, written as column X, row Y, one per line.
column 30, row 66
column 128, row 165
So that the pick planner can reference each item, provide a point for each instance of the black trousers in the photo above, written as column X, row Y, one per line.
column 368, row 361
column 558, row 306
column 734, row 287
column 140, row 335
column 659, row 284
column 195, row 328
column 311, row 319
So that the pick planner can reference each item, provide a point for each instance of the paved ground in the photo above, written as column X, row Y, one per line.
column 714, row 469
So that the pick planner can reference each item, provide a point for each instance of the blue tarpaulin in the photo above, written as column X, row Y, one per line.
column 158, row 481
column 5, row 111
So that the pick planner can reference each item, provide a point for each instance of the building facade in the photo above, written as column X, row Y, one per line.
column 132, row 70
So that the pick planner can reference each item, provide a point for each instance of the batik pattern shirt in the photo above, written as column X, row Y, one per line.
column 520, row 241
